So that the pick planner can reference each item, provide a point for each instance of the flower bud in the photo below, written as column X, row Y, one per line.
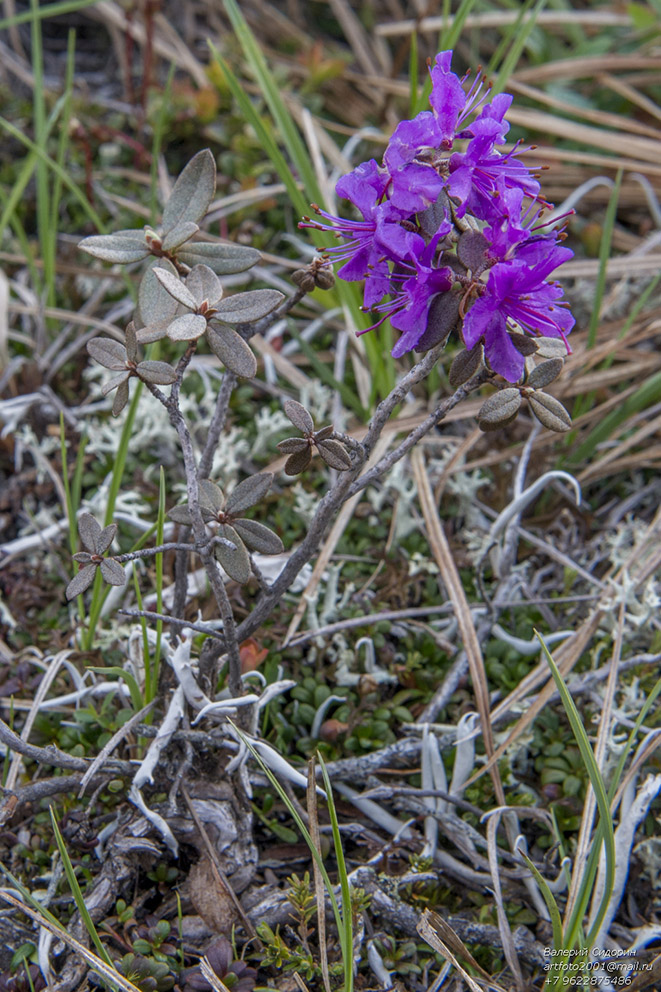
column 304, row 280
column 324, row 278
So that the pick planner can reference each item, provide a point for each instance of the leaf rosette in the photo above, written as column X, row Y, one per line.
column 236, row 534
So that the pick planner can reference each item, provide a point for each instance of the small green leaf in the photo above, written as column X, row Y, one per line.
column 298, row 462
column 211, row 495
column 545, row 373
column 157, row 306
column 80, row 582
column 89, row 530
column 499, row 410
column 105, row 538
column 465, row 365
column 159, row 373
column 181, row 514
column 550, row 412
column 121, row 397
column 292, row 445
column 334, row 454
column 112, row 572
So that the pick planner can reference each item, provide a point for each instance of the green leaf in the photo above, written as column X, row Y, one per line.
column 299, row 416
column 76, row 893
column 107, row 352
column 605, row 829
column 192, row 192
column 112, row 572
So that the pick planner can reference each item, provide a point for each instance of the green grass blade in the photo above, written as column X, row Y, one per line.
column 48, row 10
column 63, row 143
column 345, row 888
column 271, row 92
column 326, row 376
column 40, row 136
column 77, row 894
column 159, row 128
column 605, row 828
column 99, row 589
column 604, row 255
column 301, row 826
column 264, row 134
column 520, row 39
column 67, row 181
column 134, row 689
column 646, row 395
column 413, row 75
column 551, row 904
column 508, row 39
column 72, row 493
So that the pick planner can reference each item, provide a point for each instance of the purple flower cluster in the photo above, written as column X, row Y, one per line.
column 453, row 238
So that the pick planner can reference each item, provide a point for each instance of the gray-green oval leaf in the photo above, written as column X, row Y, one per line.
column 499, row 409
column 232, row 351
column 111, row 354
column 204, row 284
column 236, row 560
column 258, row 537
column 249, row 492
column 80, row 582
column 223, row 259
column 175, row 287
column 550, row 412
column 192, row 193
column 112, row 572
column 121, row 248
column 250, row 306
column 188, row 327
column 545, row 373
column 299, row 416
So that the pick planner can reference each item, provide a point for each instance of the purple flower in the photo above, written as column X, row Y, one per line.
column 479, row 175
column 517, row 291
column 409, row 308
column 451, row 104
column 413, row 185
